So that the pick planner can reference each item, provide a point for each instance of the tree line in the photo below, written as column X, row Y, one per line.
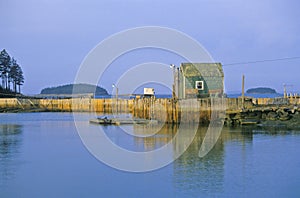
column 11, row 73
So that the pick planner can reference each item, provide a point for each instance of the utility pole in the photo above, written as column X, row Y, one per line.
column 172, row 66
column 243, row 91
column 284, row 91
column 178, row 82
column 117, row 92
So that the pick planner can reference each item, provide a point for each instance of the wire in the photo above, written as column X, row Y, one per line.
column 261, row 61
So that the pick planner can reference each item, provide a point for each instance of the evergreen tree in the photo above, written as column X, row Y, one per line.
column 20, row 77
column 10, row 73
column 13, row 74
column 5, row 61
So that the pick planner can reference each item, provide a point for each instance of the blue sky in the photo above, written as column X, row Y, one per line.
column 50, row 38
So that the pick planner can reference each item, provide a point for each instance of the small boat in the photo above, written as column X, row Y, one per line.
column 101, row 120
column 118, row 121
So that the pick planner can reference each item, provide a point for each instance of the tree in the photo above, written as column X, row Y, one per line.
column 10, row 72
column 13, row 74
column 20, row 77
column 5, row 62
column 16, row 76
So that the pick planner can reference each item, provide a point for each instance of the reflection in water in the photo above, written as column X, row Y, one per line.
column 140, row 137
column 144, row 135
column 193, row 174
column 245, row 162
column 238, row 159
column 10, row 141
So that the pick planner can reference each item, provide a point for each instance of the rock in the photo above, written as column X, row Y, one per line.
column 272, row 115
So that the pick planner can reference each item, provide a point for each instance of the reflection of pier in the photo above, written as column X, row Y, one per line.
column 154, row 136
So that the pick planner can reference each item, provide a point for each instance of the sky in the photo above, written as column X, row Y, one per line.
column 51, row 38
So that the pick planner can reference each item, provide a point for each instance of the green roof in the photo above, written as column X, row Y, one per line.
column 202, row 69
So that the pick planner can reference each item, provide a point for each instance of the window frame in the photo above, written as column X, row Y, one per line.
column 196, row 84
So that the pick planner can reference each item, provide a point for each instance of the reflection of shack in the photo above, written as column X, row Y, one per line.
column 200, row 80
column 206, row 175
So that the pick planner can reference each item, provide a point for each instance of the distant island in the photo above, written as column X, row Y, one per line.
column 261, row 90
column 79, row 89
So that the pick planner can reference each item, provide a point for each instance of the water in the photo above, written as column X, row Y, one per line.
column 41, row 155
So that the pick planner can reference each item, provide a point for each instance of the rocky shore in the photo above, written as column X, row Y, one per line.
column 276, row 116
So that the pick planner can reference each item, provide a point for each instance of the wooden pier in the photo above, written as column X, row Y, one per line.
column 167, row 110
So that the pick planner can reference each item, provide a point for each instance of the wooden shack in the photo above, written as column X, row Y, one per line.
column 200, row 80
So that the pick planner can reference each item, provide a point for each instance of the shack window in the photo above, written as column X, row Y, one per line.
column 199, row 85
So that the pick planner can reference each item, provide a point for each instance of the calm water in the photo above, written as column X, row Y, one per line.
column 41, row 155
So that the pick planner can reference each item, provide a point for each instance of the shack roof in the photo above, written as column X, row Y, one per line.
column 202, row 69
